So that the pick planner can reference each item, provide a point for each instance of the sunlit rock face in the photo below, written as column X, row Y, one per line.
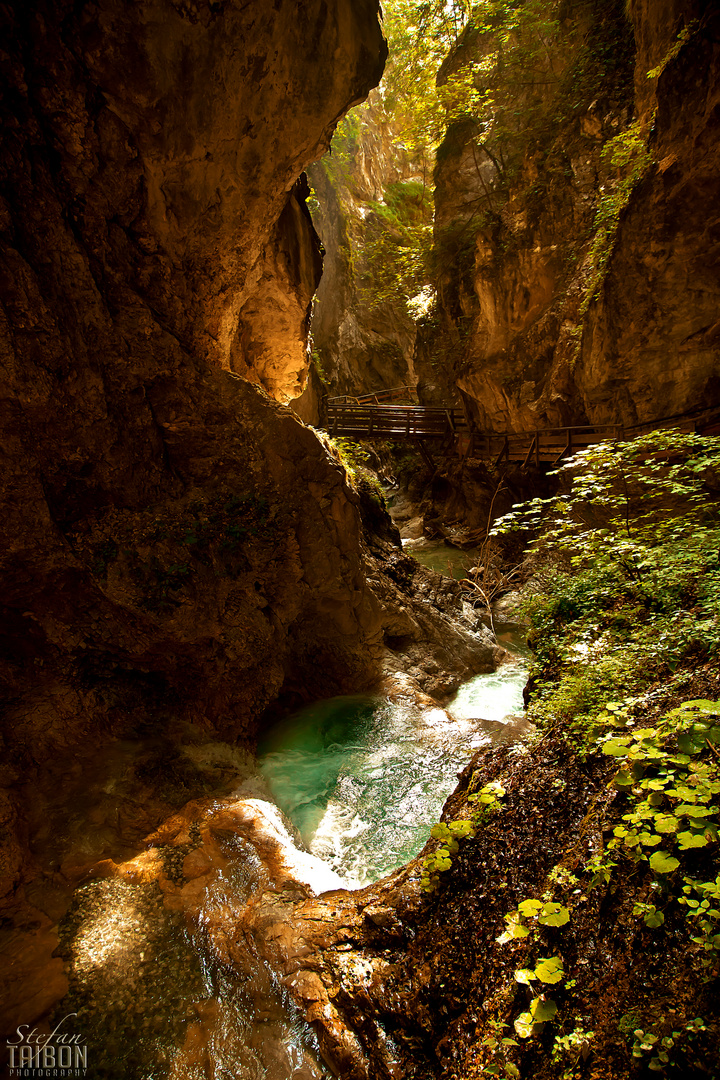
column 522, row 333
column 362, row 344
column 651, row 346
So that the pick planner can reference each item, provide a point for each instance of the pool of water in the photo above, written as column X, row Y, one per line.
column 442, row 557
column 364, row 779
column 360, row 779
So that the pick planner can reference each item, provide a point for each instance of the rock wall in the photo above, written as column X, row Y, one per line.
column 542, row 318
column 651, row 342
column 360, row 344
column 174, row 542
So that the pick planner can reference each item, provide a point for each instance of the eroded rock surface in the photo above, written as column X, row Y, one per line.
column 155, row 553
column 530, row 330
column 363, row 341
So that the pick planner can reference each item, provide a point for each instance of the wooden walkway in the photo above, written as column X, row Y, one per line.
column 448, row 428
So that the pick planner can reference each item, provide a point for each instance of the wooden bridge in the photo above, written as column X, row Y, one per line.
column 450, row 430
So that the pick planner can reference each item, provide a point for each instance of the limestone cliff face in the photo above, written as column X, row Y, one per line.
column 541, row 319
column 651, row 343
column 174, row 542
column 362, row 344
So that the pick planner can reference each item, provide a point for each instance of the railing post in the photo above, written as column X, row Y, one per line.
column 531, row 447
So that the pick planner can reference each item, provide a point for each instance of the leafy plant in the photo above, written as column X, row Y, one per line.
column 661, row 1047
column 685, row 34
column 532, row 1021
column 629, row 159
column 632, row 540
column 441, row 859
column 547, row 913
column 487, row 801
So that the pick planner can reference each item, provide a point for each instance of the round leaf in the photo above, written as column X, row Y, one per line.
column 690, row 840
column 654, row 919
column 614, row 748
column 524, row 1025
column 549, row 970
column 529, row 907
column 663, row 863
column 543, row 1009
column 554, row 915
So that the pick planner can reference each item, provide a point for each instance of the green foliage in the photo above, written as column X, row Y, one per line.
column 673, row 793
column 661, row 1048
column 441, row 859
column 397, row 244
column 573, row 1045
column 628, row 600
column 631, row 588
column 354, row 458
column 546, row 912
column 488, row 801
column 685, row 34
column 547, row 970
column 629, row 160
column 532, row 1021
column 478, row 66
column 317, row 363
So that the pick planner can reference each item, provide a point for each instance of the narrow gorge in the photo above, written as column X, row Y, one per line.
column 340, row 756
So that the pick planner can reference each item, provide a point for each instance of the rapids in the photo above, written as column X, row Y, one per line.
column 364, row 779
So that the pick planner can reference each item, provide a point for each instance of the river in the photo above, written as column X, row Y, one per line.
column 360, row 780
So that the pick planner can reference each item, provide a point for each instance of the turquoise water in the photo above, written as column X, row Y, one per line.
column 364, row 779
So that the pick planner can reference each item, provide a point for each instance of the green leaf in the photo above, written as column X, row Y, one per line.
column 530, row 907
column 543, row 1009
column 550, row 970
column 554, row 914
column 696, row 811
column 615, row 748
column 514, row 930
column 690, row 840
column 663, row 863
column 666, row 823
column 525, row 1025
column 526, row 976
column 654, row 919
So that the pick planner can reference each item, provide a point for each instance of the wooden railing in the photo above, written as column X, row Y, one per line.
column 394, row 422
column 406, row 394
column 360, row 420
